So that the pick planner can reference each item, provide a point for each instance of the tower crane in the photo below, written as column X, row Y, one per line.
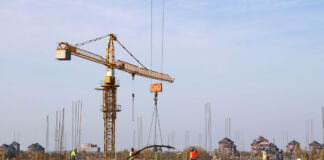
column 65, row 50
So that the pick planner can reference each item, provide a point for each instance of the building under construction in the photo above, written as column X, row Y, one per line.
column 227, row 147
column 260, row 143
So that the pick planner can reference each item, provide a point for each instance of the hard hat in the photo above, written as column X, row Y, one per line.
column 266, row 149
column 132, row 149
column 192, row 149
column 75, row 148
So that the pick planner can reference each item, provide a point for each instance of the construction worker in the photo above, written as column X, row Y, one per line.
column 279, row 155
column 131, row 153
column 193, row 154
column 74, row 154
column 265, row 154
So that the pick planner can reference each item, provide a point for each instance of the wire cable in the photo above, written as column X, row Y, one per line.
column 130, row 54
column 133, row 98
column 151, row 33
column 92, row 40
column 99, row 38
column 148, row 140
column 158, row 118
column 162, row 43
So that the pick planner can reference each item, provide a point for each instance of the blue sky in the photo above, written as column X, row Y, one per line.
column 259, row 62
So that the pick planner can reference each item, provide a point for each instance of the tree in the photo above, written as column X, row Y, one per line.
column 297, row 151
column 122, row 154
column 305, row 154
column 322, row 154
column 9, row 155
column 313, row 155
column 147, row 154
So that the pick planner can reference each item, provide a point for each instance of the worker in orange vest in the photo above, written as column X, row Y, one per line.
column 131, row 153
column 193, row 154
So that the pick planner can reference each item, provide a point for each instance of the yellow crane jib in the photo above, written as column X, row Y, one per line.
column 65, row 50
column 136, row 70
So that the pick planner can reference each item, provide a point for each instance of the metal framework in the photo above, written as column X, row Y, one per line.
column 109, row 107
column 109, row 87
column 109, row 110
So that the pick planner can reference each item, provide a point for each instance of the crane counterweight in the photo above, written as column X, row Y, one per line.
column 63, row 54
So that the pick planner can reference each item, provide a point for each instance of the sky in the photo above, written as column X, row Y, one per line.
column 258, row 62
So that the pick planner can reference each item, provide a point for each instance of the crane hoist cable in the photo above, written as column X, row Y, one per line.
column 162, row 37
column 157, row 125
column 156, row 121
column 151, row 35
column 133, row 97
column 148, row 139
column 156, row 87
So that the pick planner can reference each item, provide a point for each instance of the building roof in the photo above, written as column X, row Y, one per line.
column 6, row 147
column 15, row 143
column 259, row 139
column 293, row 142
column 314, row 143
column 36, row 147
column 225, row 140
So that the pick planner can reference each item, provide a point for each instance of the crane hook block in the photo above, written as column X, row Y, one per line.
column 156, row 87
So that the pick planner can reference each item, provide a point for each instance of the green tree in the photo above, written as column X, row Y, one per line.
column 9, row 154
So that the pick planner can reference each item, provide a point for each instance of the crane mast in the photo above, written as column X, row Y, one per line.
column 110, row 59
column 109, row 107
column 109, row 87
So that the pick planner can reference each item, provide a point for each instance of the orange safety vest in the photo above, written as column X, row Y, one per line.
column 193, row 155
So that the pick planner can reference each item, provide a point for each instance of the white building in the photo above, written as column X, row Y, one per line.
column 89, row 148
